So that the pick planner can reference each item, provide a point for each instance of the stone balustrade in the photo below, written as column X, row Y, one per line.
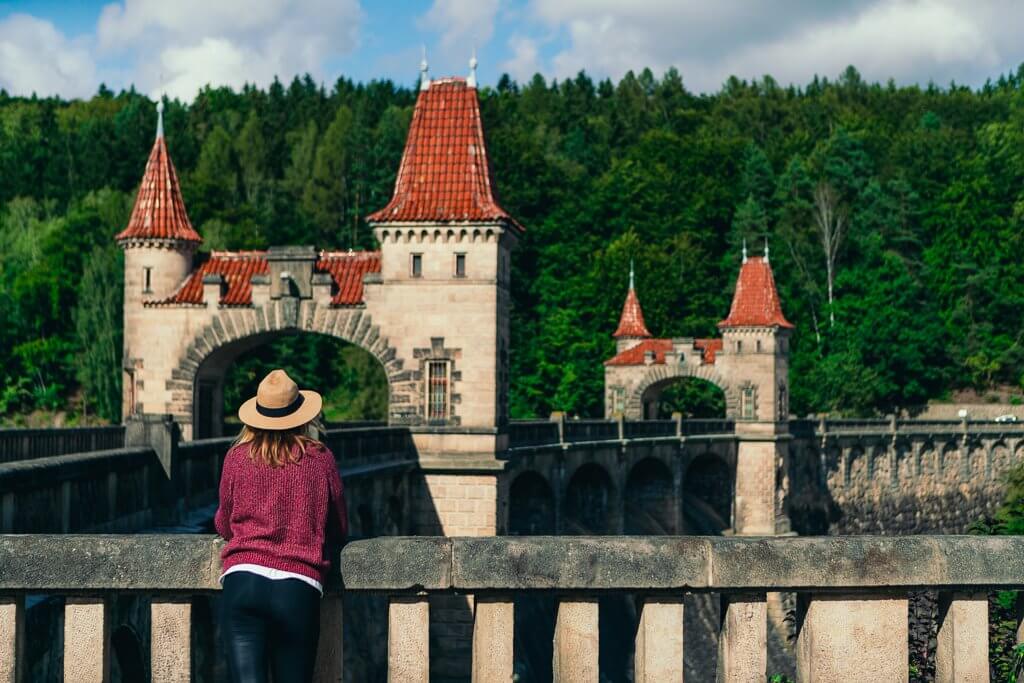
column 853, row 624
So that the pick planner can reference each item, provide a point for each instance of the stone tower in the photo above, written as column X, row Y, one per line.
column 159, row 243
column 445, row 258
column 755, row 338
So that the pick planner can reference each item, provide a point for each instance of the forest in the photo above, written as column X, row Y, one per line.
column 893, row 215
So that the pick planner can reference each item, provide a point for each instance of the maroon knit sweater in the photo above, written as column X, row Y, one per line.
column 281, row 517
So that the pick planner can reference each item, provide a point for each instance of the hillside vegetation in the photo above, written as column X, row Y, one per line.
column 893, row 214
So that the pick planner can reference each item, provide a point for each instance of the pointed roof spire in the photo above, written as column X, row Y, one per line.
column 766, row 248
column 445, row 175
column 744, row 250
column 631, row 322
column 160, row 117
column 424, row 67
column 756, row 301
column 471, row 81
column 159, row 211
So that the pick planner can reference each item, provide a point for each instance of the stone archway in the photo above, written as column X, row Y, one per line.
column 590, row 502
column 650, row 501
column 659, row 375
column 531, row 506
column 234, row 330
column 707, row 495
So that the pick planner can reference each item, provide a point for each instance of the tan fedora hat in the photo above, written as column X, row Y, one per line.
column 279, row 404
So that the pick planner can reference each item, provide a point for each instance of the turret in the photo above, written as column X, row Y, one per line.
column 755, row 335
column 445, row 234
column 631, row 330
column 159, row 243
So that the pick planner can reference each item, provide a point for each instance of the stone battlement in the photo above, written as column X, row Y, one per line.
column 853, row 624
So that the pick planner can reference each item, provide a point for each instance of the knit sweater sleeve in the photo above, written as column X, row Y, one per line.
column 337, row 512
column 222, row 520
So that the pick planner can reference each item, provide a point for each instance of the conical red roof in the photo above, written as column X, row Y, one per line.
column 756, row 301
column 159, row 211
column 445, row 174
column 631, row 322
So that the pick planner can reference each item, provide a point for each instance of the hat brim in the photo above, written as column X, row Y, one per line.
column 312, row 404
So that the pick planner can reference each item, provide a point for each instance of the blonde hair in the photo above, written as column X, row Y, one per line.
column 280, row 447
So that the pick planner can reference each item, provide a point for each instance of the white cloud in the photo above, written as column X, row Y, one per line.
column 909, row 40
column 36, row 57
column 525, row 60
column 190, row 43
column 462, row 23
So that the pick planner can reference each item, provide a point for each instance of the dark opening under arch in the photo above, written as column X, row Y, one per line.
column 707, row 496
column 531, row 506
column 694, row 397
column 589, row 502
column 649, row 500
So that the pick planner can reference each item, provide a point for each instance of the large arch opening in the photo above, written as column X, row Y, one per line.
column 693, row 397
column 707, row 496
column 589, row 502
column 649, row 501
column 531, row 506
column 353, row 382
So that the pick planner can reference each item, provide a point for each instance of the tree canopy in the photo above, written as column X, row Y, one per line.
column 894, row 217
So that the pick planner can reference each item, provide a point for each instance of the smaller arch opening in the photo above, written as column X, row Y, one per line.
column 649, row 500
column 589, row 502
column 531, row 506
column 692, row 397
column 707, row 496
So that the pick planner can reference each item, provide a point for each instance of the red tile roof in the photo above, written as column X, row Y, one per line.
column 635, row 355
column 445, row 174
column 348, row 268
column 708, row 347
column 756, row 301
column 238, row 267
column 159, row 211
column 631, row 322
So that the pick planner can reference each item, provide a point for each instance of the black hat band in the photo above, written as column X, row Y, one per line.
column 280, row 412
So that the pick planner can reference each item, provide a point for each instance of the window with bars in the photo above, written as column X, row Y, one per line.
column 747, row 403
column 438, row 389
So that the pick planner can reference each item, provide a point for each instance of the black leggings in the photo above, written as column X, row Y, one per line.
column 270, row 622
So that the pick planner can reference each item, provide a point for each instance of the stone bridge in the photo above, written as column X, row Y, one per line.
column 852, row 623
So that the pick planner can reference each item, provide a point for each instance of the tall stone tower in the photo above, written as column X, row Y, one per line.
column 159, row 243
column 755, row 338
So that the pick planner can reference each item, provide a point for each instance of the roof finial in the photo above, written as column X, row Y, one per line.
column 632, row 280
column 744, row 250
column 424, row 78
column 766, row 248
column 160, row 117
column 471, row 81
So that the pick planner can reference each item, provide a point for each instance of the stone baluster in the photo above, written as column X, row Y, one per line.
column 171, row 641
column 329, row 652
column 853, row 638
column 12, row 639
column 658, row 657
column 962, row 650
column 743, row 638
column 408, row 639
column 493, row 627
column 86, row 640
column 575, row 657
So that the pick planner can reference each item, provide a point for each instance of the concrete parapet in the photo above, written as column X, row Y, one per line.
column 658, row 656
column 743, row 638
column 961, row 654
column 575, row 657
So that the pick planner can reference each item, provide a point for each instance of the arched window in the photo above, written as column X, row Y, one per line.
column 747, row 407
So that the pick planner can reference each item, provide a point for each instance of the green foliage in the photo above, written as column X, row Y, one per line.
column 97, row 318
column 929, row 183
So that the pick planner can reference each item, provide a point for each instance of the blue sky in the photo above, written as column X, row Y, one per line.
column 69, row 47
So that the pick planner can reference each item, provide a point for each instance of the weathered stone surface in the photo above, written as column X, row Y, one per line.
column 68, row 563
column 493, row 636
column 743, row 639
column 86, row 640
column 408, row 640
column 171, row 641
column 397, row 563
column 583, row 563
column 961, row 654
column 12, row 639
column 658, row 656
column 576, row 645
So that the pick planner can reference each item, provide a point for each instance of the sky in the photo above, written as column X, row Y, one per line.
column 177, row 46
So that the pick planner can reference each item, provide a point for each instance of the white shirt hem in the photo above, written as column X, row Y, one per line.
column 273, row 574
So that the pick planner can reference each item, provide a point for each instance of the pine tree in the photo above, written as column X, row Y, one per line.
column 325, row 199
column 97, row 319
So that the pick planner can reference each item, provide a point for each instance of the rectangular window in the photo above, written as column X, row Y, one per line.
column 460, row 265
column 747, row 403
column 147, row 280
column 417, row 265
column 739, row 347
column 437, row 390
column 757, row 346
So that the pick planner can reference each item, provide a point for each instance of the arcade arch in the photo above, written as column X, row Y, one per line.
column 707, row 496
column 649, row 499
column 531, row 506
column 590, row 502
